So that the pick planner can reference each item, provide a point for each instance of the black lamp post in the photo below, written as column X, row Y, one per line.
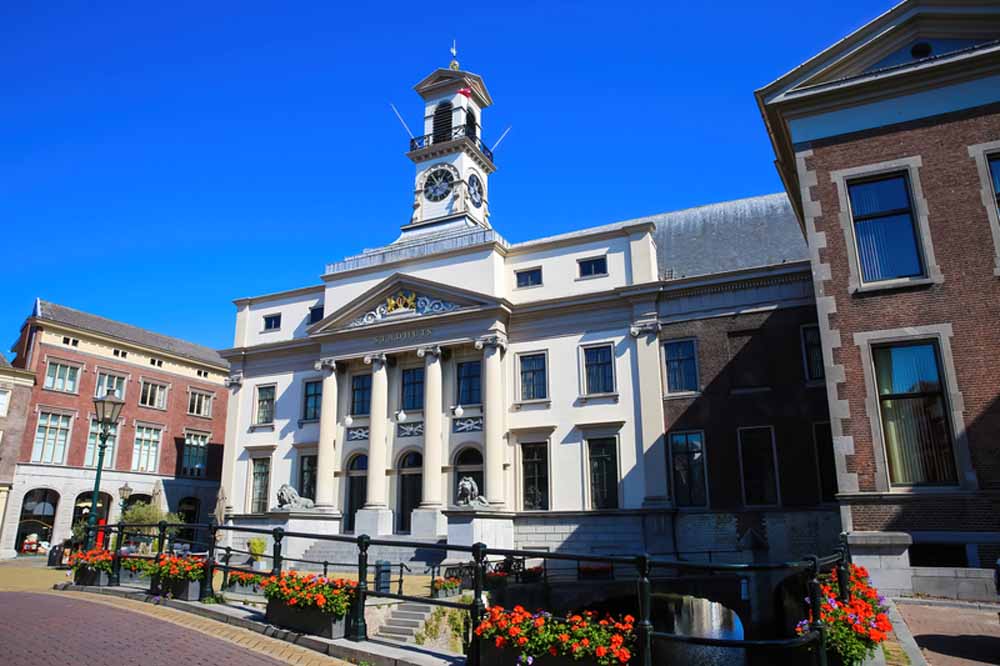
column 107, row 410
column 123, row 494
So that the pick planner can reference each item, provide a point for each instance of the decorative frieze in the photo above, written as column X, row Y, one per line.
column 357, row 434
column 467, row 424
column 404, row 302
column 410, row 429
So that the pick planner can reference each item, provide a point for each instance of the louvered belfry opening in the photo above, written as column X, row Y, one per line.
column 442, row 122
column 470, row 124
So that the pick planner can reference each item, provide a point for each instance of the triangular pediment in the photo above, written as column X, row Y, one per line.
column 401, row 298
column 444, row 80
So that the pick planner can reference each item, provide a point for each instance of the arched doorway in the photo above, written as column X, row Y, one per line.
column 136, row 498
column 357, row 488
column 410, row 489
column 468, row 462
column 81, row 511
column 38, row 513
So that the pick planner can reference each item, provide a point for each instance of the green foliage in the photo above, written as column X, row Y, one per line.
column 257, row 546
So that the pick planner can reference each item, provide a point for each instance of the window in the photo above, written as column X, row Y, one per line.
column 760, row 478
column 413, row 388
column 4, row 401
column 195, row 457
column 200, row 404
column 146, row 452
column 599, row 369
column 202, row 373
column 265, row 405
column 682, row 366
column 823, row 437
column 155, row 362
column 261, row 478
column 71, row 342
column 51, row 438
column 307, row 477
column 533, row 379
column 914, row 423
column 61, row 377
column 315, row 314
column 153, row 395
column 272, row 322
column 535, row 476
column 687, row 457
column 470, row 383
column 529, row 278
column 594, row 267
column 106, row 381
column 995, row 175
column 603, row 453
column 120, row 353
column 441, row 125
column 312, row 397
column 361, row 395
column 812, row 354
column 884, row 231
column 94, row 443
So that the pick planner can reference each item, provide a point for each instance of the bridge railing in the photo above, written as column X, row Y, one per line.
column 485, row 560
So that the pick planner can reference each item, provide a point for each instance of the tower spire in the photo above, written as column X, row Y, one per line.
column 454, row 56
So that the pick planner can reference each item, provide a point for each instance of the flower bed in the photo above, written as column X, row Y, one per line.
column 179, row 577
column 856, row 627
column 248, row 581
column 517, row 636
column 92, row 567
column 133, row 570
column 446, row 587
column 308, row 603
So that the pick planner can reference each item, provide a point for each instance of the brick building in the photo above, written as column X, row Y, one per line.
column 888, row 143
column 167, row 443
column 15, row 398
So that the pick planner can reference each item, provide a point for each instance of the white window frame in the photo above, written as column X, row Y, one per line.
column 41, row 409
column 270, row 475
column 910, row 167
column 263, row 322
column 595, row 276
column 528, row 269
column 582, row 357
column 208, row 398
column 302, row 411
column 670, row 475
column 519, row 394
column 135, row 467
column 256, row 405
column 143, row 381
column 5, row 403
column 112, row 449
column 49, row 362
column 811, row 381
column 109, row 373
column 774, row 460
column 587, row 491
column 666, row 370
column 981, row 153
column 457, row 388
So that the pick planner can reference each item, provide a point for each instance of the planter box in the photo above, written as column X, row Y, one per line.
column 132, row 578
column 91, row 577
column 305, row 621
column 185, row 590
column 444, row 594
column 508, row 656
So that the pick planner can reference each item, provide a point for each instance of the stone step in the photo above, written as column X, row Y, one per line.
column 413, row 607
column 410, row 615
column 403, row 622
column 390, row 630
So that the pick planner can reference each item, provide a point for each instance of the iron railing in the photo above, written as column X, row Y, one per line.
column 470, row 132
column 641, row 567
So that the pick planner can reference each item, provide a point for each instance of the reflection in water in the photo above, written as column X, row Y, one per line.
column 692, row 616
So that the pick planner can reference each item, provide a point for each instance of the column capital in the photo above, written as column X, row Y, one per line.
column 326, row 363
column 498, row 340
column 432, row 350
column 233, row 381
column 372, row 359
column 645, row 328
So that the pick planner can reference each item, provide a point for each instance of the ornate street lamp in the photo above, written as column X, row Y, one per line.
column 123, row 494
column 107, row 410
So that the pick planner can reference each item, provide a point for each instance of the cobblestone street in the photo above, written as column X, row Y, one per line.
column 950, row 636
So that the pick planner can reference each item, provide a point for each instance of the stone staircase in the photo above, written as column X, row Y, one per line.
column 404, row 621
column 344, row 556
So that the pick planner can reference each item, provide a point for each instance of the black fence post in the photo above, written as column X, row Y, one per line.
column 116, row 558
column 278, row 534
column 816, row 606
column 207, row 590
column 843, row 578
column 644, row 628
column 478, row 607
column 225, row 572
column 358, row 628
column 326, row 568
column 154, row 580
column 399, row 589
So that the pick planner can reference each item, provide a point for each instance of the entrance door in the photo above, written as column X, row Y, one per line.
column 357, row 488
column 410, row 488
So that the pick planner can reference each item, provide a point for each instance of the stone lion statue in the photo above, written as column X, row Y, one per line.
column 289, row 498
column 468, row 493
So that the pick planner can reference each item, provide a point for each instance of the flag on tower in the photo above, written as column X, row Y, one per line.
column 465, row 91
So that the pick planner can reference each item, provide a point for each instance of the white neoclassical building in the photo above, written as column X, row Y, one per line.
column 535, row 369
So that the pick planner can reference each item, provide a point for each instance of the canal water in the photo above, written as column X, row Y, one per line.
column 692, row 616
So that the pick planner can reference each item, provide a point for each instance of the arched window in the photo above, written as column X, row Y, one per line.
column 136, row 498
column 442, row 122
column 38, row 513
column 81, row 508
column 469, row 462
column 411, row 460
column 357, row 488
column 359, row 463
column 410, row 489
column 470, row 124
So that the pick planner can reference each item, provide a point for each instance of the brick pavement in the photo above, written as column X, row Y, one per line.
column 950, row 636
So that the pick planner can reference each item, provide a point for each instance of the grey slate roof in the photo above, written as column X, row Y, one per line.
column 126, row 332
column 727, row 236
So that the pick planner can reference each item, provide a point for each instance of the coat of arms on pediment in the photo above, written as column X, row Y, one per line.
column 404, row 302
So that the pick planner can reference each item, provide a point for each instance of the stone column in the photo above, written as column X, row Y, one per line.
column 375, row 518
column 230, row 449
column 493, row 417
column 650, row 427
column 326, row 448
column 428, row 519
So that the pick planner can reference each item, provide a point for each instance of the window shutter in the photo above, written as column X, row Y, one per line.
column 442, row 122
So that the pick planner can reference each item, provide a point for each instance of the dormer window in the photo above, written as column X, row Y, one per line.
column 315, row 314
column 272, row 322
column 442, row 122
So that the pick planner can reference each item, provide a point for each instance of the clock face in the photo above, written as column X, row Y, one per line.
column 476, row 190
column 438, row 184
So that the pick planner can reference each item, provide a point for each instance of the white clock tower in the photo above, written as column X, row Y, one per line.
column 453, row 164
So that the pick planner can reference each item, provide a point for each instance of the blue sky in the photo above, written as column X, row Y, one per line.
column 162, row 159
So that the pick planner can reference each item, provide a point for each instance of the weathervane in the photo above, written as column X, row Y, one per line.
column 454, row 56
